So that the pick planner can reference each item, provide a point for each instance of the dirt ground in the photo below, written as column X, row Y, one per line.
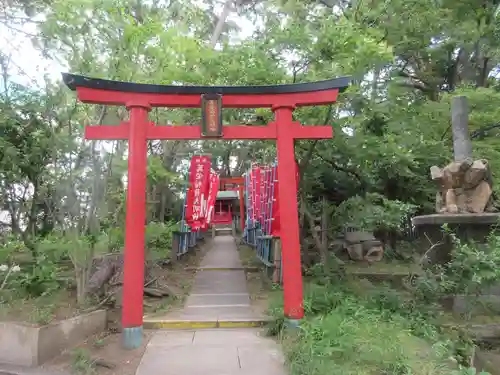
column 261, row 291
column 260, row 286
column 178, row 278
column 101, row 354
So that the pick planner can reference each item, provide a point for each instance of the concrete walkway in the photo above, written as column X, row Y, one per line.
column 219, row 298
column 219, row 295
column 212, row 352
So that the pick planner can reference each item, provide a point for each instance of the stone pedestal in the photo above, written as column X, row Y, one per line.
column 467, row 227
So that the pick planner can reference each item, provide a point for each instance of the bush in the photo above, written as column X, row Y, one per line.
column 473, row 267
column 41, row 279
column 11, row 248
column 346, row 334
column 116, row 239
column 159, row 240
column 33, row 277
column 350, row 328
column 371, row 213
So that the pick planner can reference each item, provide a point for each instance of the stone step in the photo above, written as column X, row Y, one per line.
column 190, row 324
column 223, row 232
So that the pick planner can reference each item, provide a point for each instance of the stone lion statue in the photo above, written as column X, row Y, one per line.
column 465, row 187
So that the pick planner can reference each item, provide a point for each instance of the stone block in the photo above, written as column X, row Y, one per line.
column 436, row 173
column 30, row 345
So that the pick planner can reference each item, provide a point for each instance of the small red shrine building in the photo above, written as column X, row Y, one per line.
column 225, row 208
column 229, row 206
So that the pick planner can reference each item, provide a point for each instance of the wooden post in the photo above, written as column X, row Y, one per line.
column 176, row 243
column 277, row 260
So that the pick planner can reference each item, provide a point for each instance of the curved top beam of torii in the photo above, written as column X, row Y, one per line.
column 107, row 92
column 74, row 81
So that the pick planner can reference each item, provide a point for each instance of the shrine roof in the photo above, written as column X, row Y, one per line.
column 227, row 195
column 73, row 81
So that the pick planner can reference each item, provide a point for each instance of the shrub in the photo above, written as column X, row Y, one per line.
column 373, row 212
column 159, row 239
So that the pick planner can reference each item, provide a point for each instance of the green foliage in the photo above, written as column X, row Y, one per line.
column 159, row 239
column 10, row 249
column 82, row 362
column 116, row 239
column 34, row 277
column 473, row 268
column 348, row 333
column 157, row 171
column 54, row 247
column 41, row 279
column 356, row 327
column 372, row 212
column 30, row 280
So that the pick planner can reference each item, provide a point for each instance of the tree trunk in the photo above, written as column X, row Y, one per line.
column 302, row 235
column 220, row 23
column 324, row 224
column 323, row 251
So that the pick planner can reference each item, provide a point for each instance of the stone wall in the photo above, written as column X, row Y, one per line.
column 29, row 345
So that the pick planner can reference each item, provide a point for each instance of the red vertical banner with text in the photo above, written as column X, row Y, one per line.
column 199, row 173
column 257, row 192
column 212, row 197
column 205, row 189
column 276, row 222
column 251, row 193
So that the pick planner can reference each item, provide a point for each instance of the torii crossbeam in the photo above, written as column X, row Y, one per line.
column 140, row 98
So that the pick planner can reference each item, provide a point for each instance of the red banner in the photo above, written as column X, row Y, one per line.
column 199, row 174
column 256, row 182
column 276, row 223
column 263, row 193
column 212, row 196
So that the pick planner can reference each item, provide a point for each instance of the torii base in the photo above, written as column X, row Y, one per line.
column 132, row 337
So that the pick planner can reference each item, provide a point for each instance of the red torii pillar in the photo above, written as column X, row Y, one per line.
column 140, row 98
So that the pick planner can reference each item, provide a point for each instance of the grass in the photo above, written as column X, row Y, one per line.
column 40, row 310
column 82, row 362
column 260, row 286
column 247, row 256
column 361, row 342
column 354, row 329
column 392, row 268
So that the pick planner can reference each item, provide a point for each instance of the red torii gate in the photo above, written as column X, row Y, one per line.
column 140, row 98
column 240, row 181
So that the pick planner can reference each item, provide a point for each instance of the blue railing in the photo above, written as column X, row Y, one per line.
column 257, row 234
column 185, row 240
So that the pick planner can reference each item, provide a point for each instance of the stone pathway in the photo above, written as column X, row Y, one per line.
column 219, row 295
column 219, row 298
column 212, row 352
